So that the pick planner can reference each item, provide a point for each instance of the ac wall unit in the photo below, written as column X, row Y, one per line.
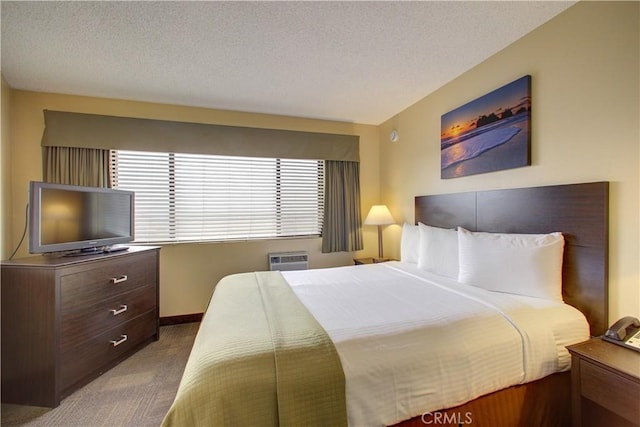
column 287, row 261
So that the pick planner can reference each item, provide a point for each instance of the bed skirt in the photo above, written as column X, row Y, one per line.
column 545, row 402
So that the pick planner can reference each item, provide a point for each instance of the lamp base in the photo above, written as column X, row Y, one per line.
column 380, row 241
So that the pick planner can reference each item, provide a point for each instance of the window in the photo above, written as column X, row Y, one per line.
column 194, row 197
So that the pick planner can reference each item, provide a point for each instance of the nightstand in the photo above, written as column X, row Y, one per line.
column 605, row 384
column 370, row 260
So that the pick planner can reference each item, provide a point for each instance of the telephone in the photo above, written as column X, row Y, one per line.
column 625, row 332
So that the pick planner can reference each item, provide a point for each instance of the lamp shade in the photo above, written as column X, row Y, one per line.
column 379, row 215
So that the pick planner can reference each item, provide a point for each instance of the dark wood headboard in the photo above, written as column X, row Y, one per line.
column 579, row 211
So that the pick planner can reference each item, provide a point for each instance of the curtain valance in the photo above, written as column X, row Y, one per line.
column 65, row 129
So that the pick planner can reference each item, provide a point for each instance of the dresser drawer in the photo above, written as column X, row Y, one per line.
column 95, row 354
column 87, row 321
column 105, row 279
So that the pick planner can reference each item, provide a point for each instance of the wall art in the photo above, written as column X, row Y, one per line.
column 488, row 134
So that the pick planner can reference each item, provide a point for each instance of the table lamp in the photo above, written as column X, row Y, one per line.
column 379, row 215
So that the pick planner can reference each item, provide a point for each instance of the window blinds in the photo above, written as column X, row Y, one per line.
column 194, row 197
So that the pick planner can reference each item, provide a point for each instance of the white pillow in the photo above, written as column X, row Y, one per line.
column 523, row 264
column 410, row 243
column 438, row 250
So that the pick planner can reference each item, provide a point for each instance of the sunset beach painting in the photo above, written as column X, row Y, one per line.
column 491, row 133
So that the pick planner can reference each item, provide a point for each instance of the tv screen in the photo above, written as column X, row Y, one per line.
column 68, row 217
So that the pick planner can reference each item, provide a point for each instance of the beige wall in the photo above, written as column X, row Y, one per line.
column 188, row 272
column 584, row 66
column 5, row 168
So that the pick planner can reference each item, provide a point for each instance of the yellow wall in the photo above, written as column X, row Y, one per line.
column 584, row 66
column 188, row 272
column 5, row 169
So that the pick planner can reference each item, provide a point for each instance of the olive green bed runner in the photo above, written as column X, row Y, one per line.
column 260, row 359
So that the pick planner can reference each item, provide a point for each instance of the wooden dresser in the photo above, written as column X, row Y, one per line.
column 66, row 320
column 605, row 384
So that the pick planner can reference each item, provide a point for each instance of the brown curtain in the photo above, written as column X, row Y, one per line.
column 76, row 166
column 342, row 229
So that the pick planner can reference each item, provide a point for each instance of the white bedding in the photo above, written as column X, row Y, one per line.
column 411, row 342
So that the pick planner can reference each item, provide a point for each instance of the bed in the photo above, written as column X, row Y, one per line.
column 412, row 343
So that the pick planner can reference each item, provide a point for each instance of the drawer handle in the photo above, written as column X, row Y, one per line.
column 116, row 280
column 122, row 309
column 120, row 341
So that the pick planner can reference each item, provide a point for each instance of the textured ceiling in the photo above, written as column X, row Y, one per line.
column 350, row 61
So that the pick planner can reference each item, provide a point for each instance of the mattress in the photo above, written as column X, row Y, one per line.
column 411, row 342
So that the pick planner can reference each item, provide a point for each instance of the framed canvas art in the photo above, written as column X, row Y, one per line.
column 488, row 134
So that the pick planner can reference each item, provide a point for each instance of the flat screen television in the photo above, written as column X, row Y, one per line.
column 65, row 218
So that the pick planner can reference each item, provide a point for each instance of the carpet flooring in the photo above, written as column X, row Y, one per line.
column 137, row 392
